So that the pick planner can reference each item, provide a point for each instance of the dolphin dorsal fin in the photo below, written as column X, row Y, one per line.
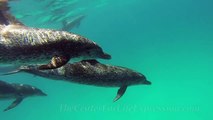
column 12, row 20
column 5, row 17
column 15, row 103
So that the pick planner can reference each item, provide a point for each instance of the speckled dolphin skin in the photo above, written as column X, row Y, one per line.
column 20, row 44
column 91, row 72
column 18, row 92
column 23, row 44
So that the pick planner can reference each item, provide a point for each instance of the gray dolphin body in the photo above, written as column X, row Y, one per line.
column 20, row 44
column 69, row 25
column 18, row 92
column 91, row 72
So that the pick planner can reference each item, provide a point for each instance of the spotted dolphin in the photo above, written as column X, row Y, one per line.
column 18, row 92
column 24, row 45
column 91, row 72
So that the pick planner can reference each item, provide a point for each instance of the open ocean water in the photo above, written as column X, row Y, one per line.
column 170, row 42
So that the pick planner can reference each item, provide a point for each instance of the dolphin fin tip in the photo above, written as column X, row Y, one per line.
column 120, row 93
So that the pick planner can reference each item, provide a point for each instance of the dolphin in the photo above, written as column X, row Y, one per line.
column 75, row 22
column 91, row 72
column 18, row 92
column 22, row 45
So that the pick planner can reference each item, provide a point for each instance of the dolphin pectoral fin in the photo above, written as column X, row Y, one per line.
column 14, row 104
column 120, row 93
column 56, row 62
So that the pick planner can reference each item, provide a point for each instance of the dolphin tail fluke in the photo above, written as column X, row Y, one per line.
column 14, row 104
column 120, row 93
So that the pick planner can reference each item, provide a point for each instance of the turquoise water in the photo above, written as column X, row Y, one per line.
column 168, row 41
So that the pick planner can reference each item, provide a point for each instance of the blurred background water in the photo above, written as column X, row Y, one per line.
column 171, row 42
